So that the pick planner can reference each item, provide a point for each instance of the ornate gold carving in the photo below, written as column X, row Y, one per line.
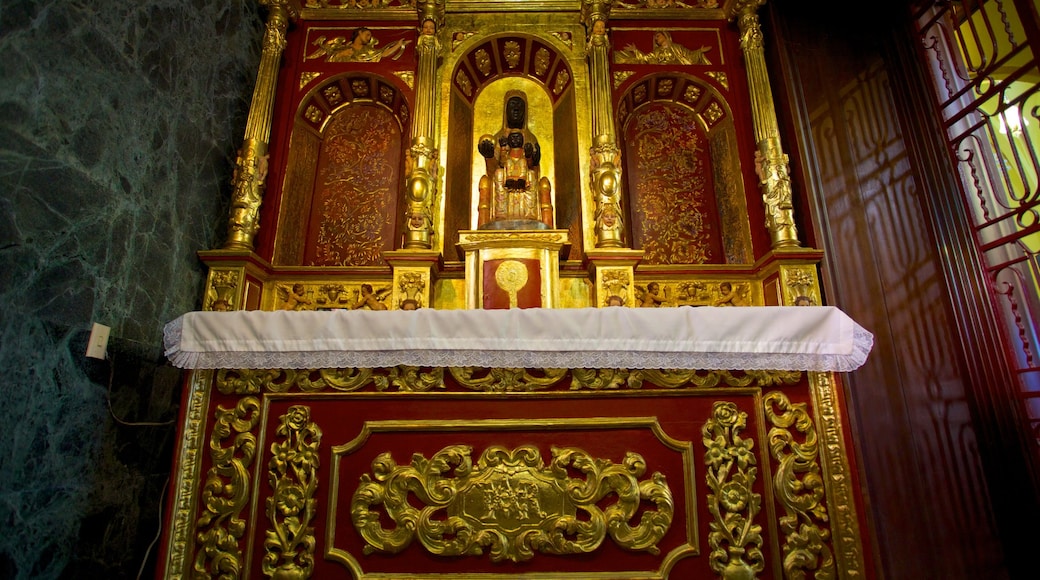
column 845, row 529
column 407, row 76
column 511, row 52
column 665, row 51
column 333, row 94
column 483, row 60
column 250, row 174
column 459, row 37
column 713, row 113
column 511, row 503
column 734, row 538
column 720, row 77
column 562, row 78
column 462, row 80
column 799, row 489
column 307, row 77
column 616, row 282
column 413, row 287
column 656, row 4
column 541, row 62
column 605, row 379
column 250, row 381
column 506, row 380
column 511, row 276
column 360, row 88
column 223, row 289
column 225, row 494
column 386, row 95
column 495, row 380
column 801, row 286
column 664, row 88
column 620, row 77
column 314, row 114
column 293, row 476
column 605, row 179
column 691, row 94
column 564, row 37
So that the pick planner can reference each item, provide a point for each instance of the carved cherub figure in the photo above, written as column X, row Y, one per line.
column 294, row 297
column 729, row 296
column 373, row 299
column 651, row 296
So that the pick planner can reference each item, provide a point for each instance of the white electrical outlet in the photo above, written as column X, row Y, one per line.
column 98, row 344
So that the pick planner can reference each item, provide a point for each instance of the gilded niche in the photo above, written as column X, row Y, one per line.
column 673, row 199
column 358, row 174
column 510, row 503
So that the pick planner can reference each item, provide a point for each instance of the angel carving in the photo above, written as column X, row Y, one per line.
column 650, row 296
column 361, row 47
column 730, row 296
column 373, row 299
column 294, row 297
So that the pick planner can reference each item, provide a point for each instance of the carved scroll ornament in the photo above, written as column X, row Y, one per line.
column 510, row 503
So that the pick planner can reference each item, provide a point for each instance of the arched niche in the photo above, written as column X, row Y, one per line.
column 343, row 180
column 685, row 196
column 486, row 69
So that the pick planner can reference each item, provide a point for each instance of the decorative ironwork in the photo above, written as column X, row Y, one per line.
column 510, row 504
column 225, row 494
column 735, row 539
column 293, row 476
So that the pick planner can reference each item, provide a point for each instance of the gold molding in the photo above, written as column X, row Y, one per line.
column 186, row 475
column 838, row 476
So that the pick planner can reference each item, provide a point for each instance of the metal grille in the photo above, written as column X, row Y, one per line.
column 987, row 88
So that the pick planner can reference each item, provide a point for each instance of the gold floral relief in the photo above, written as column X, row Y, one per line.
column 225, row 493
column 799, row 488
column 222, row 292
column 510, row 504
column 293, row 477
column 734, row 538
column 506, row 380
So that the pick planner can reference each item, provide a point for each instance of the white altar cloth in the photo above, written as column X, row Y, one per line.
column 819, row 338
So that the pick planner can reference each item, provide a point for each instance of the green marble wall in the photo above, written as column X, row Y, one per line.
column 118, row 123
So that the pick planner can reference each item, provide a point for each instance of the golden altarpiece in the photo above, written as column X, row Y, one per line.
column 508, row 155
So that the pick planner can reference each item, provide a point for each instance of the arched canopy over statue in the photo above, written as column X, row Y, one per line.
column 513, row 194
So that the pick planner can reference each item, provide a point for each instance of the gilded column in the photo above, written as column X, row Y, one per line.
column 771, row 164
column 423, row 163
column 605, row 156
column 251, row 164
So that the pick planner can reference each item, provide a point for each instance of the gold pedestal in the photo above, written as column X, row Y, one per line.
column 512, row 268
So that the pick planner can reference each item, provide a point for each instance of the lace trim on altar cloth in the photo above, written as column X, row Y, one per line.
column 788, row 338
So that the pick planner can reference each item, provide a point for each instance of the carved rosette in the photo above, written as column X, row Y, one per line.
column 735, row 539
column 293, row 476
column 225, row 493
column 510, row 503
column 800, row 489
